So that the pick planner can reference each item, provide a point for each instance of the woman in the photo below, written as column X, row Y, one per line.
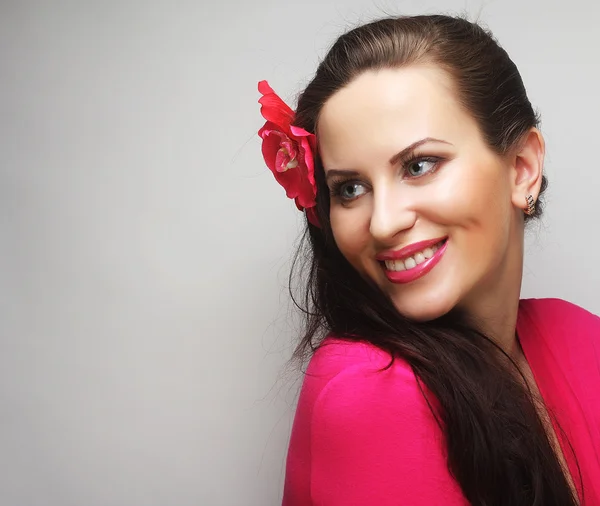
column 415, row 155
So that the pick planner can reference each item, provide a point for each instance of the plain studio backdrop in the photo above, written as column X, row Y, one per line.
column 145, row 320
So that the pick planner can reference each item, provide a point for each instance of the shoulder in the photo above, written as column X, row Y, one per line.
column 349, row 385
column 373, row 436
column 558, row 314
column 363, row 383
column 343, row 372
column 382, row 412
column 572, row 332
column 360, row 398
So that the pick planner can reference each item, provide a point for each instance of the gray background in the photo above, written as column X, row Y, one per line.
column 145, row 323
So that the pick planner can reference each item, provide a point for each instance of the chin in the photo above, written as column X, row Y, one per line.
column 424, row 309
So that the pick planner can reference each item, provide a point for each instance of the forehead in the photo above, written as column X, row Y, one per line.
column 387, row 110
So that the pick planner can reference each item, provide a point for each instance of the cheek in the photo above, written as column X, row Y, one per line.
column 475, row 194
column 351, row 232
column 490, row 203
column 483, row 214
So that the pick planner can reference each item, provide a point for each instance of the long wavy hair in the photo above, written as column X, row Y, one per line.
column 497, row 447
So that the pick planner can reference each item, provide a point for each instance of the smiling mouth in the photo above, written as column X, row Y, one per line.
column 414, row 260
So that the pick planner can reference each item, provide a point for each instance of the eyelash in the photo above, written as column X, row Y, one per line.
column 337, row 185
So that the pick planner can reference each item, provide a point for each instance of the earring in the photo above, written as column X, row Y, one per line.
column 530, row 205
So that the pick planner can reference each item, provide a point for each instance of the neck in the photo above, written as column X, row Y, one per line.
column 496, row 304
column 499, row 322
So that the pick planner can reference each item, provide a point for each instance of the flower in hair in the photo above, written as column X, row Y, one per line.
column 288, row 151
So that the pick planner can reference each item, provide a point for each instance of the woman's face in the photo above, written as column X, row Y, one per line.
column 420, row 204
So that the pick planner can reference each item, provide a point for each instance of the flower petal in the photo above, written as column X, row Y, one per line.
column 296, row 131
column 264, row 88
column 270, row 147
column 288, row 151
column 273, row 108
column 295, row 180
column 305, row 190
column 291, row 180
column 267, row 128
column 306, row 153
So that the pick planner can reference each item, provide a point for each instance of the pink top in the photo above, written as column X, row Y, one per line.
column 362, row 437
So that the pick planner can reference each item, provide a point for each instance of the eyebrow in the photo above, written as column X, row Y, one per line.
column 398, row 156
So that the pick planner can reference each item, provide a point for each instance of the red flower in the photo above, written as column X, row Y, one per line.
column 288, row 151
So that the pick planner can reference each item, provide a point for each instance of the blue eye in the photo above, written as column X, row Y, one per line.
column 421, row 166
column 347, row 190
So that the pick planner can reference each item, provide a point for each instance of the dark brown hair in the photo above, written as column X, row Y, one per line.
column 497, row 447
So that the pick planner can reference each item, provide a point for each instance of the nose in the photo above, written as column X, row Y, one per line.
column 392, row 214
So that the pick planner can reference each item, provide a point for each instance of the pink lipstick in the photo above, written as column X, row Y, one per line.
column 416, row 271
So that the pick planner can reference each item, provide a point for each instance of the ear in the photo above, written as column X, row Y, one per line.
column 528, row 163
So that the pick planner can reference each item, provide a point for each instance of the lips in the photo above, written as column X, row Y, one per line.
column 414, row 261
column 409, row 250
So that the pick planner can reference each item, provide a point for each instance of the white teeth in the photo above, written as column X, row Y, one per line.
column 413, row 261
column 395, row 265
